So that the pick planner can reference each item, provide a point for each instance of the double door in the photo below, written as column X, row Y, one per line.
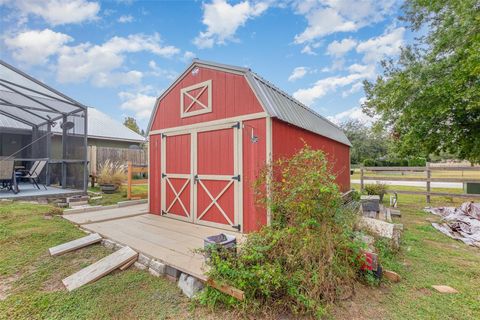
column 201, row 176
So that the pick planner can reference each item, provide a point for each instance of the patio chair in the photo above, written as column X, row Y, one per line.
column 6, row 174
column 34, row 173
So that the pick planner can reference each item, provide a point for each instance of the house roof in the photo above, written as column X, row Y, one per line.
column 100, row 126
column 275, row 102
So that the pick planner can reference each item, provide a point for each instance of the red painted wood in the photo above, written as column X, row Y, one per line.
column 288, row 139
column 178, row 158
column 215, row 152
column 215, row 156
column 254, row 159
column 178, row 161
column 231, row 96
column 155, row 174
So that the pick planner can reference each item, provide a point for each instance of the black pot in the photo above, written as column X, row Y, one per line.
column 108, row 188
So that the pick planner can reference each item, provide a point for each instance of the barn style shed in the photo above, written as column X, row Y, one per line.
column 212, row 131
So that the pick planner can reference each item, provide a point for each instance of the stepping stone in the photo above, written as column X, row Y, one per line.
column 444, row 289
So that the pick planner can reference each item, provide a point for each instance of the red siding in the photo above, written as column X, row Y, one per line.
column 288, row 139
column 254, row 158
column 155, row 174
column 231, row 96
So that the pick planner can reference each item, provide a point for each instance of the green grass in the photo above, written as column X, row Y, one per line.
column 120, row 195
column 427, row 257
column 30, row 280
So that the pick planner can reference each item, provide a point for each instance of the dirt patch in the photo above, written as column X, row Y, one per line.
column 365, row 304
column 6, row 285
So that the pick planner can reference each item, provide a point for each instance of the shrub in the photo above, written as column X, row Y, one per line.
column 307, row 257
column 417, row 162
column 369, row 162
column 379, row 189
column 111, row 173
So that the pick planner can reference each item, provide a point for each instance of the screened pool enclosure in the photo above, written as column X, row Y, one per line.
column 43, row 137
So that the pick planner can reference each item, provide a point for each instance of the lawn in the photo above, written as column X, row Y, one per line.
column 30, row 280
column 121, row 195
column 426, row 258
column 31, row 288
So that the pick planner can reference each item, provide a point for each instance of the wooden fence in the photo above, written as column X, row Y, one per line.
column 135, row 169
column 427, row 178
column 98, row 155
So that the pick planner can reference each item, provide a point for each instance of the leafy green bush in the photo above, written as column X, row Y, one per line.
column 417, row 162
column 379, row 189
column 369, row 162
column 307, row 257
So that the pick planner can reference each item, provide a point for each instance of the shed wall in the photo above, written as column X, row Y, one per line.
column 254, row 159
column 231, row 96
column 288, row 139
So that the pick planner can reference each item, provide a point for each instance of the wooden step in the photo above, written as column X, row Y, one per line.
column 100, row 268
column 75, row 244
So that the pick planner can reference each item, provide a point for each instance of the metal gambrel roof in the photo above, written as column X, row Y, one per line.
column 30, row 101
column 275, row 102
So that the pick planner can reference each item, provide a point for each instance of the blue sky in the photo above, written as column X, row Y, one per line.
column 118, row 56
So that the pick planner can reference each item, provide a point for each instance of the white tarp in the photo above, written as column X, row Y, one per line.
column 461, row 223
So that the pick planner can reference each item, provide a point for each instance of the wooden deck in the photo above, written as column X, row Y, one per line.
column 29, row 192
column 171, row 241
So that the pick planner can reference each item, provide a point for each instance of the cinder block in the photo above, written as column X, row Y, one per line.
column 109, row 244
column 143, row 259
column 172, row 273
column 157, row 266
column 190, row 285
column 139, row 266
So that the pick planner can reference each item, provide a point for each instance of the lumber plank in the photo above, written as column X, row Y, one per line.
column 99, row 269
column 234, row 292
column 75, row 244
column 128, row 264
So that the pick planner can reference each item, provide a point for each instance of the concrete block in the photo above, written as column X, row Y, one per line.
column 154, row 272
column 189, row 285
column 172, row 273
column 143, row 259
column 109, row 244
column 157, row 266
column 139, row 266
column 383, row 229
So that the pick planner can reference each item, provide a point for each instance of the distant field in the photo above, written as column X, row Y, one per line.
column 435, row 174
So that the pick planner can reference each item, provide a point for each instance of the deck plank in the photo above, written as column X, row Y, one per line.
column 100, row 268
column 75, row 244
column 107, row 214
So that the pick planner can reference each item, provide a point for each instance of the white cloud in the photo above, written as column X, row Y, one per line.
column 223, row 19
column 139, row 103
column 388, row 44
column 93, row 62
column 35, row 46
column 188, row 56
column 115, row 79
column 159, row 72
column 330, row 16
column 330, row 84
column 298, row 73
column 125, row 19
column 339, row 48
column 351, row 114
column 59, row 12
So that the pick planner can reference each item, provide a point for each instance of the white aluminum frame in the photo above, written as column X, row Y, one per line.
column 206, row 86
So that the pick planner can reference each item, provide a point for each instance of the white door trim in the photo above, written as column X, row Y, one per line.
column 200, row 125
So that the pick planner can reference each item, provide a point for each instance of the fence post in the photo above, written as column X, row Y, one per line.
column 129, row 180
column 429, row 175
column 361, row 179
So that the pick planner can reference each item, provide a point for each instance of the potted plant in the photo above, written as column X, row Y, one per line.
column 110, row 176
column 378, row 188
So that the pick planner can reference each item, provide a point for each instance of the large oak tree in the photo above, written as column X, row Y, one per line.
column 430, row 96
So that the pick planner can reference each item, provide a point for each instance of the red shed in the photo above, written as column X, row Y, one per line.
column 212, row 131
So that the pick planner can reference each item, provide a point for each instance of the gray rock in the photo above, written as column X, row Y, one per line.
column 143, row 259
column 189, row 285
column 109, row 244
column 139, row 266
